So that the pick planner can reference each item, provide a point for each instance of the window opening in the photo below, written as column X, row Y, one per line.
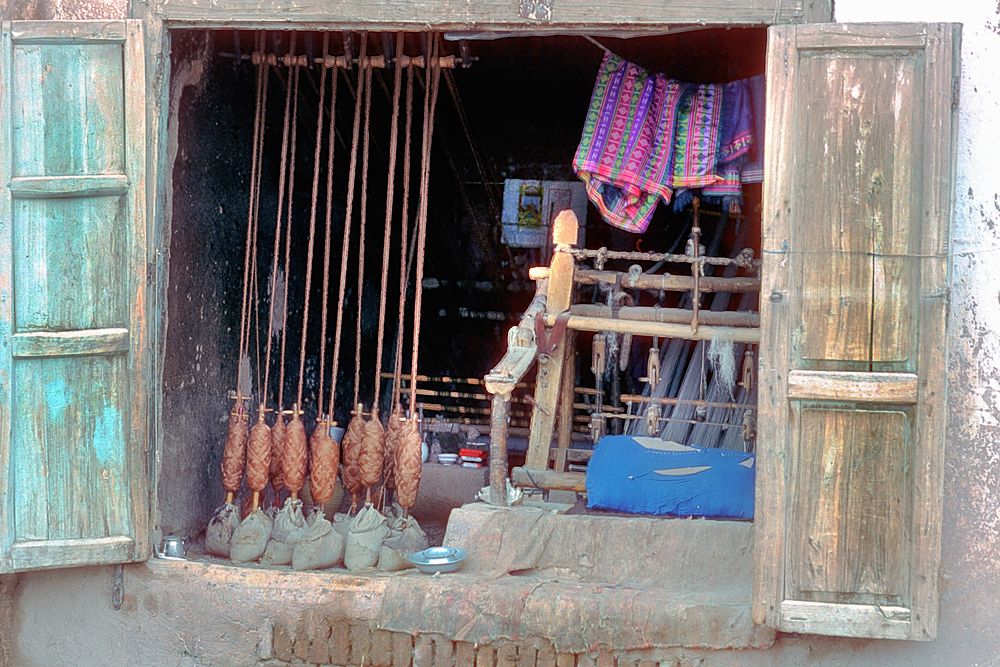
column 508, row 119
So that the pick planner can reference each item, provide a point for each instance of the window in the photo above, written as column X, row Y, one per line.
column 853, row 301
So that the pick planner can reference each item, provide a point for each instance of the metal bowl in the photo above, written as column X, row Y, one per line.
column 438, row 559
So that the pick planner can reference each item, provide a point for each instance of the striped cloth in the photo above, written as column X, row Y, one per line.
column 624, row 153
column 646, row 135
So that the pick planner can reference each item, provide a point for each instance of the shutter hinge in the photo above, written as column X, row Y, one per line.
column 118, row 586
column 956, row 87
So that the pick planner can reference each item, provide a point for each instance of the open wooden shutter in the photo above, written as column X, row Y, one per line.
column 73, row 359
column 853, row 310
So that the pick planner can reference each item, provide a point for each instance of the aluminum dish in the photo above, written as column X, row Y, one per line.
column 438, row 559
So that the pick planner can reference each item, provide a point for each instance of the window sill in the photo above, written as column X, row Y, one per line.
column 534, row 574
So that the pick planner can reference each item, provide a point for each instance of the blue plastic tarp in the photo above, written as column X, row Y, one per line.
column 640, row 475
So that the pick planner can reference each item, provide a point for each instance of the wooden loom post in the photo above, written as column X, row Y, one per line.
column 522, row 349
column 498, row 448
column 550, row 367
column 564, row 432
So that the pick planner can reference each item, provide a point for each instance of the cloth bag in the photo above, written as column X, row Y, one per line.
column 364, row 539
column 341, row 523
column 219, row 532
column 320, row 546
column 406, row 537
column 289, row 527
column 250, row 538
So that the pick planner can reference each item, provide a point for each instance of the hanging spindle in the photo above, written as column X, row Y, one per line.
column 355, row 428
column 408, row 465
column 393, row 435
column 324, row 454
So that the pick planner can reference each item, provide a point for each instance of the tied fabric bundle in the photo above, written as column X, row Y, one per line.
column 371, row 456
column 234, row 451
column 351, row 445
column 277, row 457
column 295, row 457
column 646, row 137
column 393, row 433
column 408, row 466
column 324, row 458
column 258, row 457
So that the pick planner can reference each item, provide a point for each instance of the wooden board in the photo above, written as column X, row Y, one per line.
column 582, row 15
column 853, row 310
column 73, row 343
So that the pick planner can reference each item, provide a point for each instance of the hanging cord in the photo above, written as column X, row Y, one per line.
column 351, row 178
column 294, row 85
column 361, row 230
column 387, row 235
column 323, row 412
column 282, row 175
column 265, row 78
column 430, row 105
column 403, row 240
column 312, row 228
column 252, row 208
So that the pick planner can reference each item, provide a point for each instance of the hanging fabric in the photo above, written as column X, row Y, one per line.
column 647, row 137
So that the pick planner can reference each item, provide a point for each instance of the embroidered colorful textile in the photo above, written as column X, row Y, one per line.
column 696, row 136
column 736, row 142
column 647, row 138
column 624, row 153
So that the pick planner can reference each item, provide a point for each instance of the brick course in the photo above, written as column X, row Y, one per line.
column 317, row 641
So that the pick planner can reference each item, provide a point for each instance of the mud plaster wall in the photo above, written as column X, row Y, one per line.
column 209, row 166
column 62, row 616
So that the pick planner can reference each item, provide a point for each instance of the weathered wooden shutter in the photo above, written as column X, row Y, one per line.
column 73, row 412
column 853, row 309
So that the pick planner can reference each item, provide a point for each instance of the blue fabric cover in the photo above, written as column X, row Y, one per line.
column 622, row 477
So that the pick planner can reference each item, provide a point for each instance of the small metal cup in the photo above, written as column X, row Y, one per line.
column 173, row 547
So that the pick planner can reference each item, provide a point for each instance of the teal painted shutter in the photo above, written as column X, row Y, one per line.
column 73, row 340
column 851, row 429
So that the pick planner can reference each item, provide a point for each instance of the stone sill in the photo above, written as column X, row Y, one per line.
column 684, row 584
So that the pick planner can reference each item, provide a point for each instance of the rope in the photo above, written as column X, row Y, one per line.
column 312, row 223
column 254, row 278
column 430, row 105
column 387, row 235
column 361, row 231
column 404, row 241
column 351, row 177
column 294, row 86
column 331, row 144
column 282, row 174
column 252, row 209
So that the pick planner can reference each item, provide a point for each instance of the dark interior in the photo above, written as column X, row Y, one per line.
column 522, row 105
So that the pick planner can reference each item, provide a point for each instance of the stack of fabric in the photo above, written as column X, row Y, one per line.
column 647, row 137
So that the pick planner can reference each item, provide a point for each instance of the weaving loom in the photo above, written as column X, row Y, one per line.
column 682, row 401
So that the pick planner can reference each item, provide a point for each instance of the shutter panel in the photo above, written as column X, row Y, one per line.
column 73, row 344
column 853, row 313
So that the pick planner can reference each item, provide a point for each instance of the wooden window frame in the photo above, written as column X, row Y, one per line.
column 572, row 17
